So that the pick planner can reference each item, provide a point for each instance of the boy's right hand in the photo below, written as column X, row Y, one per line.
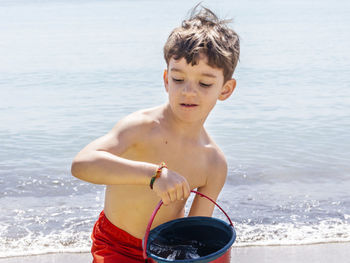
column 171, row 187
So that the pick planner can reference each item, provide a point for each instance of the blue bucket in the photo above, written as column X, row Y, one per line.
column 192, row 239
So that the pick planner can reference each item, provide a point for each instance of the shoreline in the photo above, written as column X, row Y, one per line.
column 320, row 253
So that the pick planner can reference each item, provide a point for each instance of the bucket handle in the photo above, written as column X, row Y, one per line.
column 148, row 229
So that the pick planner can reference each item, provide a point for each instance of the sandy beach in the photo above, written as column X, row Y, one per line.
column 321, row 253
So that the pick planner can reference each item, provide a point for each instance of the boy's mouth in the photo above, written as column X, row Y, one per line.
column 188, row 105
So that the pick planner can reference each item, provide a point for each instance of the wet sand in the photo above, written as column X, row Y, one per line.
column 322, row 253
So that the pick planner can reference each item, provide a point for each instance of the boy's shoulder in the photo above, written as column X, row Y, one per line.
column 134, row 127
column 138, row 121
column 214, row 167
column 216, row 158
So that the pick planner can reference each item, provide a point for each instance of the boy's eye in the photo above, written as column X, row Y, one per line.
column 205, row 85
column 177, row 80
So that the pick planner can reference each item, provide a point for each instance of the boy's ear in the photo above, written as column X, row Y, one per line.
column 227, row 89
column 165, row 78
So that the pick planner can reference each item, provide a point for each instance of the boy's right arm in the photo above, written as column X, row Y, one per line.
column 99, row 162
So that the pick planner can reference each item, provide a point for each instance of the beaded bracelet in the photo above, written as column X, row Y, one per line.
column 157, row 174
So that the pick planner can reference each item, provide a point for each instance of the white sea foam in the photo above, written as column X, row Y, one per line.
column 34, row 244
column 247, row 235
column 333, row 230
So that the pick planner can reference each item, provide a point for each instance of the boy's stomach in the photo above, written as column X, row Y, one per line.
column 130, row 207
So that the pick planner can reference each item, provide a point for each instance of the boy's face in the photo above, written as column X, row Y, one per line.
column 194, row 90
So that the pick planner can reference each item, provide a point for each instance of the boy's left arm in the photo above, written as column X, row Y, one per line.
column 215, row 181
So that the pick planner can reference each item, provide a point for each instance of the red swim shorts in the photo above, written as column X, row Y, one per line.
column 111, row 244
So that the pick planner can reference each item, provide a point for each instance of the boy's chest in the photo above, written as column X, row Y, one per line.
column 187, row 160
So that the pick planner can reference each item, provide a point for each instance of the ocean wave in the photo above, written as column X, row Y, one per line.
column 44, row 244
column 327, row 231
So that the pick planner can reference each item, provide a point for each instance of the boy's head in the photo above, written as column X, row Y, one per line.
column 204, row 34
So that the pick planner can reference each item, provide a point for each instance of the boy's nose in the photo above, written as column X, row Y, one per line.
column 189, row 90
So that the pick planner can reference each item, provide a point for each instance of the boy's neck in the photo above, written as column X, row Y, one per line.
column 189, row 130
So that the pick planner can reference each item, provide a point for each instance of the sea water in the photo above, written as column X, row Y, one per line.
column 183, row 249
column 69, row 70
column 180, row 248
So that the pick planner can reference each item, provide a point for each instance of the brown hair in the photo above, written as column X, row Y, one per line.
column 204, row 33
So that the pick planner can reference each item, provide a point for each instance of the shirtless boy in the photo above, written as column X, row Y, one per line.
column 201, row 56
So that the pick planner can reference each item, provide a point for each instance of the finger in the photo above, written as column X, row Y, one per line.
column 186, row 190
column 172, row 194
column 166, row 198
column 179, row 192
